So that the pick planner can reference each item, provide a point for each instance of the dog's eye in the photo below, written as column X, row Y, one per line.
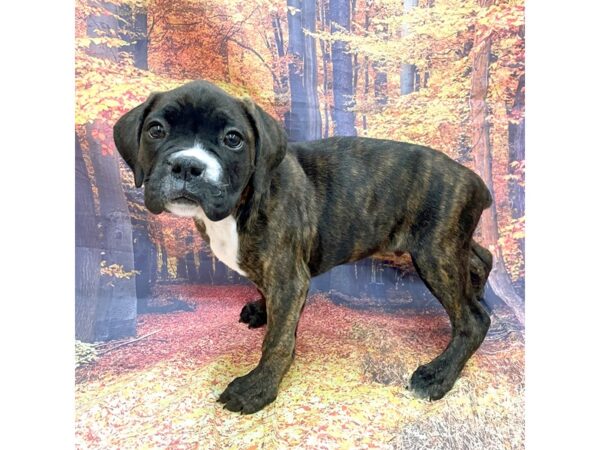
column 233, row 140
column 156, row 131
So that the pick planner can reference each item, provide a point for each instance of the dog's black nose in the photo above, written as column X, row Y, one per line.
column 187, row 168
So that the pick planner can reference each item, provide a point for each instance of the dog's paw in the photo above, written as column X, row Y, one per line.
column 254, row 314
column 248, row 394
column 432, row 381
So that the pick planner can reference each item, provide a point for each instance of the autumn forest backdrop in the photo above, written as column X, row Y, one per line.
column 448, row 74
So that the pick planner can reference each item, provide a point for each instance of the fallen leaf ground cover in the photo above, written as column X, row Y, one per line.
column 346, row 388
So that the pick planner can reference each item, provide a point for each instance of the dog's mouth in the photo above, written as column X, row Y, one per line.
column 183, row 204
column 185, row 199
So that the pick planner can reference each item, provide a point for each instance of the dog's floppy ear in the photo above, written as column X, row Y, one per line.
column 270, row 143
column 127, row 133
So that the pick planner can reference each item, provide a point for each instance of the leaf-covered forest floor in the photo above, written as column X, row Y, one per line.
column 346, row 388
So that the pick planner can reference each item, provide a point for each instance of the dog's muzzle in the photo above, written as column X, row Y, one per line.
column 189, row 184
column 190, row 173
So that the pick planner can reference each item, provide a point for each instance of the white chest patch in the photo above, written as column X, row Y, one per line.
column 223, row 240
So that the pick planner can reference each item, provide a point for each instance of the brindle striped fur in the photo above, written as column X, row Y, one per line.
column 310, row 206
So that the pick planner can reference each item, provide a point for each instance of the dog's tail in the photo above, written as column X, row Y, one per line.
column 485, row 195
column 488, row 197
column 483, row 254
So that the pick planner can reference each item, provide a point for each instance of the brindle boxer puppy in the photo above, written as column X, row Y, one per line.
column 281, row 213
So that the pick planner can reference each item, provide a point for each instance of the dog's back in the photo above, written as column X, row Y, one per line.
column 348, row 160
column 369, row 188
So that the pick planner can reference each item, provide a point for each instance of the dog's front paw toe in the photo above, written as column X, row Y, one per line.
column 254, row 314
column 248, row 402
column 431, row 381
column 235, row 403
column 248, row 395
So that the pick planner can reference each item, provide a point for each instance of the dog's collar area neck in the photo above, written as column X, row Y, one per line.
column 248, row 205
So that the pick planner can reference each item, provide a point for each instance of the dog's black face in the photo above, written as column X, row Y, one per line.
column 196, row 148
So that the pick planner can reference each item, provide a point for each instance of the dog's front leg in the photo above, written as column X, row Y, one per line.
column 285, row 296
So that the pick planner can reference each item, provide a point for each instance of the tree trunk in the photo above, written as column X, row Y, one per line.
column 380, row 88
column 164, row 268
column 144, row 254
column 516, row 150
column 516, row 153
column 97, row 26
column 134, row 29
column 366, row 62
column 116, row 296
column 205, row 268
column 282, row 86
column 408, row 73
column 133, row 26
column 310, row 80
column 343, row 89
column 380, row 84
column 224, row 54
column 153, row 265
column 298, row 102
column 304, row 120
column 366, row 91
column 181, row 268
column 190, row 263
column 326, row 55
column 482, row 156
column 87, row 252
column 190, row 266
column 140, row 47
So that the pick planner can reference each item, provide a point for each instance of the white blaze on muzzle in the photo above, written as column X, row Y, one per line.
column 213, row 170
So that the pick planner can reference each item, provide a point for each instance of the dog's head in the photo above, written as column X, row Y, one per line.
column 196, row 148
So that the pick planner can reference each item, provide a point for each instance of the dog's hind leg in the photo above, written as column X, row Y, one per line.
column 480, row 266
column 254, row 313
column 445, row 270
